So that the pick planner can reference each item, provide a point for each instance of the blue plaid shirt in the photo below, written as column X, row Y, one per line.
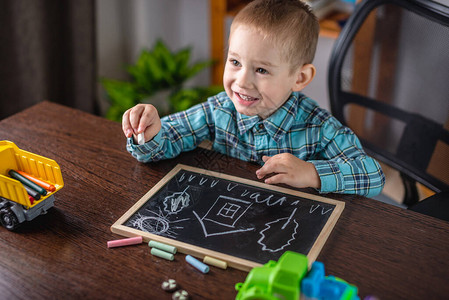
column 299, row 127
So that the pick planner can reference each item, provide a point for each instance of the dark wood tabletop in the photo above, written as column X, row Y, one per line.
column 384, row 250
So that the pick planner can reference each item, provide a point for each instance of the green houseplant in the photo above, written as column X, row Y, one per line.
column 158, row 73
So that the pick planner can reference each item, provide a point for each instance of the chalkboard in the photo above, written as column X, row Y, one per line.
column 245, row 223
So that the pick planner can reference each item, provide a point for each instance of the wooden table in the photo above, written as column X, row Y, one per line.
column 383, row 250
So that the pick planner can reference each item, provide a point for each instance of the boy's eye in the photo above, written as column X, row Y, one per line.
column 261, row 71
column 235, row 62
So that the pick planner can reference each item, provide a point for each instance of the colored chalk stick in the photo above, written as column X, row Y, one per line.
column 28, row 183
column 141, row 138
column 125, row 242
column 162, row 254
column 163, row 247
column 44, row 184
column 215, row 262
column 197, row 264
column 32, row 192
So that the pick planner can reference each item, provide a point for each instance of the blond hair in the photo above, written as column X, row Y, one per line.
column 290, row 23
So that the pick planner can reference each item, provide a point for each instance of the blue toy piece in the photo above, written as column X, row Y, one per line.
column 317, row 286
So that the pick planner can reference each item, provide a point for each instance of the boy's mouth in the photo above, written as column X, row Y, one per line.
column 246, row 97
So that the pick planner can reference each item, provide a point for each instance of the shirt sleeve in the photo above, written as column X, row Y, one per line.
column 182, row 131
column 343, row 166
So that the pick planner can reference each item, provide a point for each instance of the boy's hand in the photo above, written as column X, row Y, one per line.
column 289, row 170
column 141, row 118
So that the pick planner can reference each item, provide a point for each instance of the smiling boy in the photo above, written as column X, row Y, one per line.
column 262, row 116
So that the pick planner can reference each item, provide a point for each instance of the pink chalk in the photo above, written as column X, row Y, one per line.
column 125, row 242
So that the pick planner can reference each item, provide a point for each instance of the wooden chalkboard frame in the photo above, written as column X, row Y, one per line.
column 235, row 262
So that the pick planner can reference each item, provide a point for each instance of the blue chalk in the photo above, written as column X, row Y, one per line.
column 197, row 264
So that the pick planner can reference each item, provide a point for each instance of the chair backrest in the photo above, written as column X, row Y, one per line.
column 389, row 82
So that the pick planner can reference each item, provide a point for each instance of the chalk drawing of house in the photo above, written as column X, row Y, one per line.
column 223, row 216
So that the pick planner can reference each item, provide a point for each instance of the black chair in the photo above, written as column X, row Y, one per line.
column 389, row 82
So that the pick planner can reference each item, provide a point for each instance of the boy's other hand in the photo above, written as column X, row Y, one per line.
column 141, row 118
column 290, row 170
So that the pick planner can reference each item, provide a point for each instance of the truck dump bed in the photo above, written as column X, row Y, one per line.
column 11, row 157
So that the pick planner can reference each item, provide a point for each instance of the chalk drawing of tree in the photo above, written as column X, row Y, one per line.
column 275, row 233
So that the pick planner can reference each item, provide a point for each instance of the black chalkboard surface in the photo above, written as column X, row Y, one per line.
column 243, row 222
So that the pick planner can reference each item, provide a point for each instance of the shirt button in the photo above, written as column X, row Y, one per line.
column 261, row 126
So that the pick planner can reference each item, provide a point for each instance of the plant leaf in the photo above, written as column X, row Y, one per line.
column 155, row 70
column 186, row 98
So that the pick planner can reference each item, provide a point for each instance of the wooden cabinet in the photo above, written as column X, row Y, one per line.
column 220, row 10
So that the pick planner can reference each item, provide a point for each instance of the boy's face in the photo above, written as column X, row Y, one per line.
column 256, row 79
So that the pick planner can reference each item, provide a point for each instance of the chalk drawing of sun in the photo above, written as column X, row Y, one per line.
column 156, row 223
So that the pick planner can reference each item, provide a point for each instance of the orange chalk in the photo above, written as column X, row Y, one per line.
column 39, row 182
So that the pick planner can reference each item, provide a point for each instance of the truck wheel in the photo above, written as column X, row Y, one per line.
column 8, row 219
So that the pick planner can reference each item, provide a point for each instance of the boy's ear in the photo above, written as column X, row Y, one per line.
column 304, row 76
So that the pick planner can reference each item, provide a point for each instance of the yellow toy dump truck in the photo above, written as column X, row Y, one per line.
column 16, row 206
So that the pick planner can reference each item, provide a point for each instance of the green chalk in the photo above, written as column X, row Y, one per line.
column 163, row 254
column 28, row 183
column 164, row 247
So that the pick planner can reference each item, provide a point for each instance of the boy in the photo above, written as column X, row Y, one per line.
column 262, row 116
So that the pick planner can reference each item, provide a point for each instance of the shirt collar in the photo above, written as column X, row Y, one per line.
column 245, row 123
column 278, row 124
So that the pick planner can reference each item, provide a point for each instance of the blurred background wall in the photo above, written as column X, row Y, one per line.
column 58, row 50
column 47, row 52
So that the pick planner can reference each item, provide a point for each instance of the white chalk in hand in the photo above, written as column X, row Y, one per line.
column 141, row 138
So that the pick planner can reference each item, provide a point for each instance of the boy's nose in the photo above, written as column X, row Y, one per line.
column 244, row 79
